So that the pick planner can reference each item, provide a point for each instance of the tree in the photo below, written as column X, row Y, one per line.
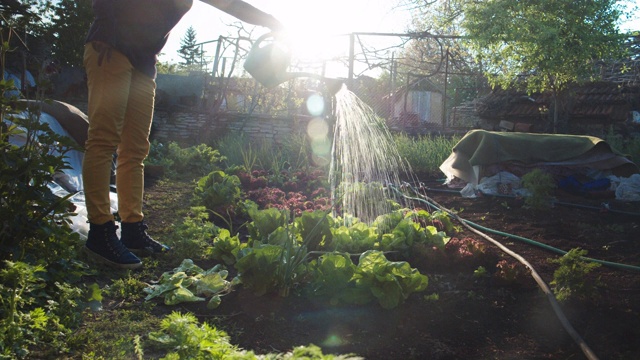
column 549, row 43
column 439, row 49
column 68, row 29
column 189, row 51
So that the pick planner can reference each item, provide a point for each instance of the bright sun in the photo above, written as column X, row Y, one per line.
column 318, row 30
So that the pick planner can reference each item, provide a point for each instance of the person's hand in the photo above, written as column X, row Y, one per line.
column 275, row 25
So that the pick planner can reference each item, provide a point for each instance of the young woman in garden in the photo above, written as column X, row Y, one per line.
column 120, row 60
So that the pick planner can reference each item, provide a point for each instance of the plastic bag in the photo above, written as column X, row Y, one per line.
column 628, row 189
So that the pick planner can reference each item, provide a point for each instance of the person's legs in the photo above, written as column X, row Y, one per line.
column 134, row 147
column 108, row 80
column 132, row 151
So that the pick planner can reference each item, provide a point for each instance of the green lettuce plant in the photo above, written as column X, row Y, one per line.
column 374, row 279
column 217, row 190
column 315, row 229
column 226, row 247
column 356, row 238
column 188, row 283
column 265, row 221
column 267, row 268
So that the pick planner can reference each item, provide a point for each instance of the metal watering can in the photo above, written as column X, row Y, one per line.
column 269, row 59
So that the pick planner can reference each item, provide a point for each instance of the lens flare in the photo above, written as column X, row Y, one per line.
column 315, row 105
column 333, row 340
column 318, row 131
column 317, row 128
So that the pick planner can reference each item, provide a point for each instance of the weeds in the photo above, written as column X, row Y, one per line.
column 570, row 279
column 425, row 154
column 194, row 235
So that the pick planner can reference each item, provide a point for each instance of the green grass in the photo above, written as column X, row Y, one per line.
column 425, row 153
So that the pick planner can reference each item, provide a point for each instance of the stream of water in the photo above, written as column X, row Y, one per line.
column 364, row 160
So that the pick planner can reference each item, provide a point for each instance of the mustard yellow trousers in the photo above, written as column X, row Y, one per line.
column 120, row 112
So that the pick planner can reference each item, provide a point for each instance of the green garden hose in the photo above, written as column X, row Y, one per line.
column 551, row 248
column 536, row 243
column 586, row 350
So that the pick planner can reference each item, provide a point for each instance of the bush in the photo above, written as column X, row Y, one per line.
column 190, row 162
column 541, row 185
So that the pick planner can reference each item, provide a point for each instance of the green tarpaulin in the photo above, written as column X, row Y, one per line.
column 479, row 149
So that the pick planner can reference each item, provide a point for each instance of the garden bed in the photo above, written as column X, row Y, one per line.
column 459, row 315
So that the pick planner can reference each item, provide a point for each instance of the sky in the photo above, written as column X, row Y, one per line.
column 308, row 19
column 304, row 18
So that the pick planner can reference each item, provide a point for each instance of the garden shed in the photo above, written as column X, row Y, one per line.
column 417, row 105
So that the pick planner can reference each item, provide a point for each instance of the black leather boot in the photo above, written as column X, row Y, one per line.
column 135, row 238
column 103, row 245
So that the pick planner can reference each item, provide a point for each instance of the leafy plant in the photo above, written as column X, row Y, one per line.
column 332, row 276
column 35, row 221
column 189, row 282
column 183, row 338
column 293, row 201
column 541, row 185
column 38, row 299
column 480, row 272
column 570, row 278
column 412, row 149
column 226, row 247
column 264, row 222
column 194, row 235
column 510, row 273
column 217, row 190
column 269, row 268
column 374, row 279
column 315, row 228
column 159, row 155
column 20, row 322
column 277, row 261
column 195, row 160
column 129, row 287
column 356, row 238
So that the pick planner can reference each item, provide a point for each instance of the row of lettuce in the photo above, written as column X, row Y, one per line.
column 294, row 241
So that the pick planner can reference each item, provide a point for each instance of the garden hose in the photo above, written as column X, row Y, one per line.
column 562, row 203
column 533, row 242
column 586, row 350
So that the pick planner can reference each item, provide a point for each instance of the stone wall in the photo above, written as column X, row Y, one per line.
column 192, row 128
column 189, row 128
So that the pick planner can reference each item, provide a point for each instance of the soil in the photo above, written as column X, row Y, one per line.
column 472, row 317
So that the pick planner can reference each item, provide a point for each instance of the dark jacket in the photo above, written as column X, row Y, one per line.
column 137, row 28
